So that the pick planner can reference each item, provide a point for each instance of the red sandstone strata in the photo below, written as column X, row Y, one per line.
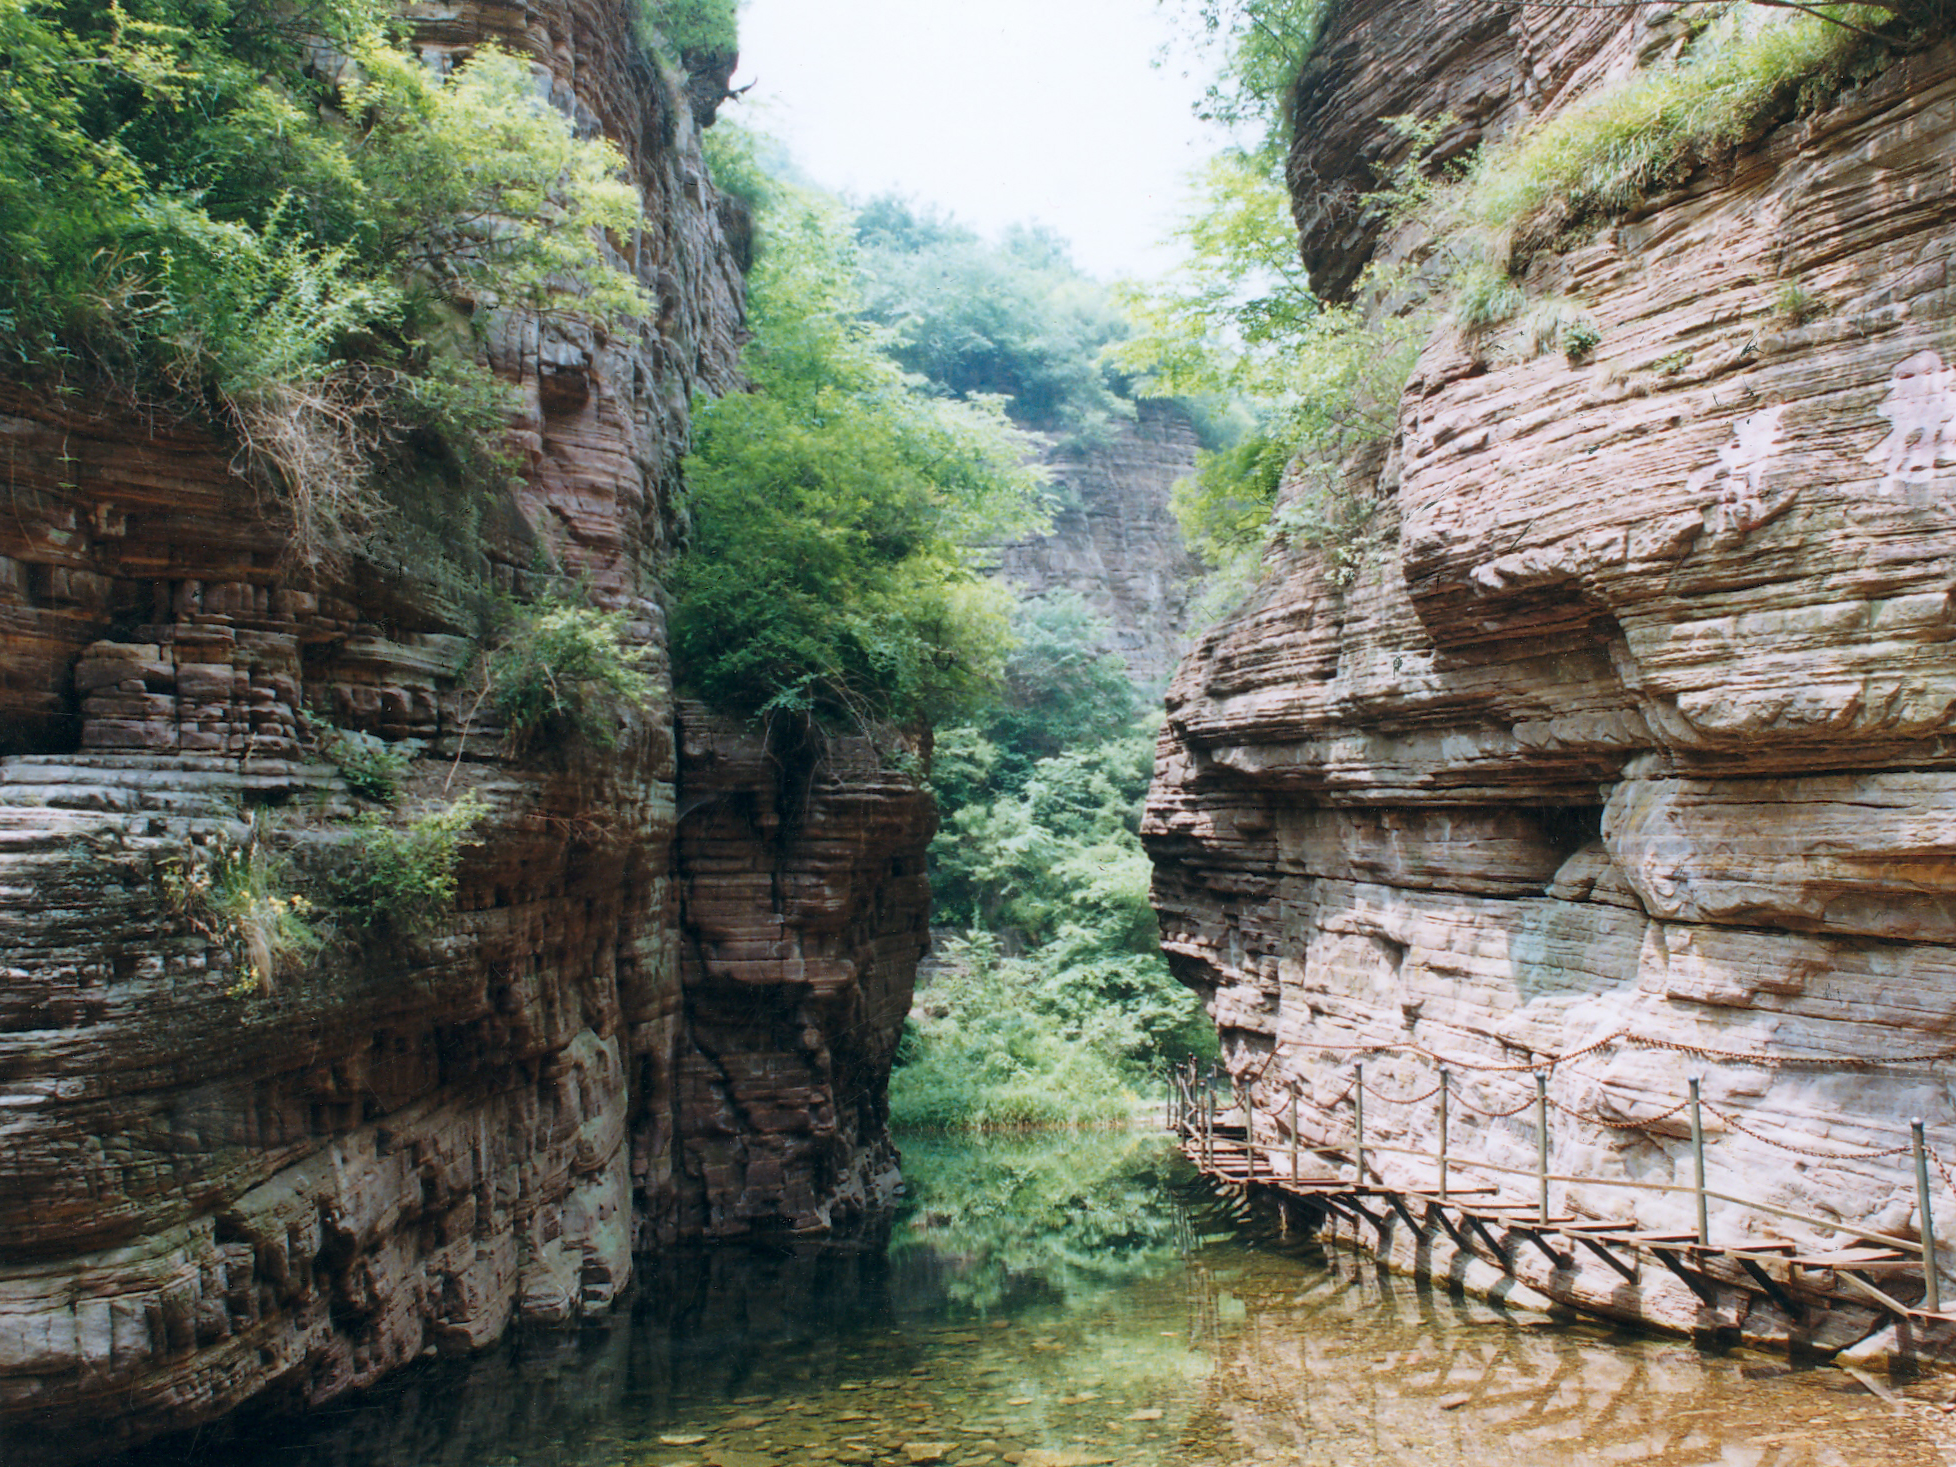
column 614, row 1040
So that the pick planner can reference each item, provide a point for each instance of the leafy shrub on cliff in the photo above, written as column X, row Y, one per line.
column 199, row 201
column 1607, row 151
column 831, row 569
column 691, row 25
column 1239, row 322
column 404, row 876
column 241, row 893
column 1258, row 47
column 371, row 766
column 566, row 671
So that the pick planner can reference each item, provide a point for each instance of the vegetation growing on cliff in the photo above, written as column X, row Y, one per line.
column 1322, row 379
column 201, row 206
column 241, row 893
column 690, row 25
column 1604, row 153
column 1256, row 48
column 1240, row 323
column 404, row 874
column 563, row 671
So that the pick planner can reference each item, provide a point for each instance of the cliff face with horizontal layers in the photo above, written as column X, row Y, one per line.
column 1115, row 541
column 1629, row 754
column 210, row 1195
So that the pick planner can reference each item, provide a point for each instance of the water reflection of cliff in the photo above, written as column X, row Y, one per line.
column 1079, row 1298
column 1348, row 1363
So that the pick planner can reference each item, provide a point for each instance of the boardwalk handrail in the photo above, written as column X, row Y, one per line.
column 1885, row 1239
column 1924, row 1246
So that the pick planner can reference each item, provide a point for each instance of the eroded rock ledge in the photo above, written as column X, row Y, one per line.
column 1642, row 719
column 619, row 1037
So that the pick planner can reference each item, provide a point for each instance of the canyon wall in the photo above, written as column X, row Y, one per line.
column 1628, row 754
column 643, row 1020
column 1114, row 540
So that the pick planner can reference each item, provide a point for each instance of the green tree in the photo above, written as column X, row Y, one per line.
column 1013, row 319
column 1039, row 855
column 1239, row 323
column 831, row 568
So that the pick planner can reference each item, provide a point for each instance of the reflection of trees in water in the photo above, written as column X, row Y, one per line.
column 1129, row 1286
column 1061, row 1216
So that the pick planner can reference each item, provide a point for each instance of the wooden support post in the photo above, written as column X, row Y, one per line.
column 1358, row 1119
column 1779, row 1296
column 1399, row 1206
column 1541, row 1142
column 1438, row 1214
column 1698, row 1152
column 1691, row 1281
column 1293, row 1131
column 1862, row 1286
column 1209, row 1122
column 1930, row 1281
column 1445, row 1081
column 1378, row 1220
column 1556, row 1260
column 1629, row 1271
column 1488, row 1238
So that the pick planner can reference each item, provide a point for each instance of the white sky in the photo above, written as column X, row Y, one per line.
column 1000, row 111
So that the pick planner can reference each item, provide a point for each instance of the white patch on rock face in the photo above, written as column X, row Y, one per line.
column 1743, row 463
column 1921, row 413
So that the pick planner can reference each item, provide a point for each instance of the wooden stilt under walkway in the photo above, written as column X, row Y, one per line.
column 1482, row 1225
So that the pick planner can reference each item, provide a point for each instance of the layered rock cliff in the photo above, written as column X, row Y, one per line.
column 617, row 1038
column 1628, row 752
column 1115, row 542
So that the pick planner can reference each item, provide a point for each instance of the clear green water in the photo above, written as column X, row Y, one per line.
column 1067, row 1301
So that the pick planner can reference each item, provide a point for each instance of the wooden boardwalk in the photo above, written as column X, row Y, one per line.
column 1800, row 1283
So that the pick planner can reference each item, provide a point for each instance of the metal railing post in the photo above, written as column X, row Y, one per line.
column 1209, row 1123
column 1293, row 1132
column 1698, row 1152
column 1358, row 1116
column 1541, row 1142
column 1930, row 1281
column 1445, row 1080
column 1249, row 1126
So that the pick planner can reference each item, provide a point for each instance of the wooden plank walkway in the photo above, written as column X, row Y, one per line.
column 1482, row 1225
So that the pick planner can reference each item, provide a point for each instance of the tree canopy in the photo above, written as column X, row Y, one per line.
column 1013, row 319
column 836, row 509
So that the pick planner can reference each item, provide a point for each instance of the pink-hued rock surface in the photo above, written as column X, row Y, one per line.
column 210, row 1195
column 1114, row 540
column 1638, row 722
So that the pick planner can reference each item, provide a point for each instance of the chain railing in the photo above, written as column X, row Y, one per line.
column 1195, row 1108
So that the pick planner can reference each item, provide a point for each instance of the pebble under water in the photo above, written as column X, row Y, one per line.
column 1061, row 1302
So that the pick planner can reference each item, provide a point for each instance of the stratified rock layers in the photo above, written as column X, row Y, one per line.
column 1114, row 540
column 1640, row 724
column 804, row 909
column 210, row 1196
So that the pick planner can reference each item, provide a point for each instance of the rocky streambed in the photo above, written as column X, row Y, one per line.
column 1079, row 1301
